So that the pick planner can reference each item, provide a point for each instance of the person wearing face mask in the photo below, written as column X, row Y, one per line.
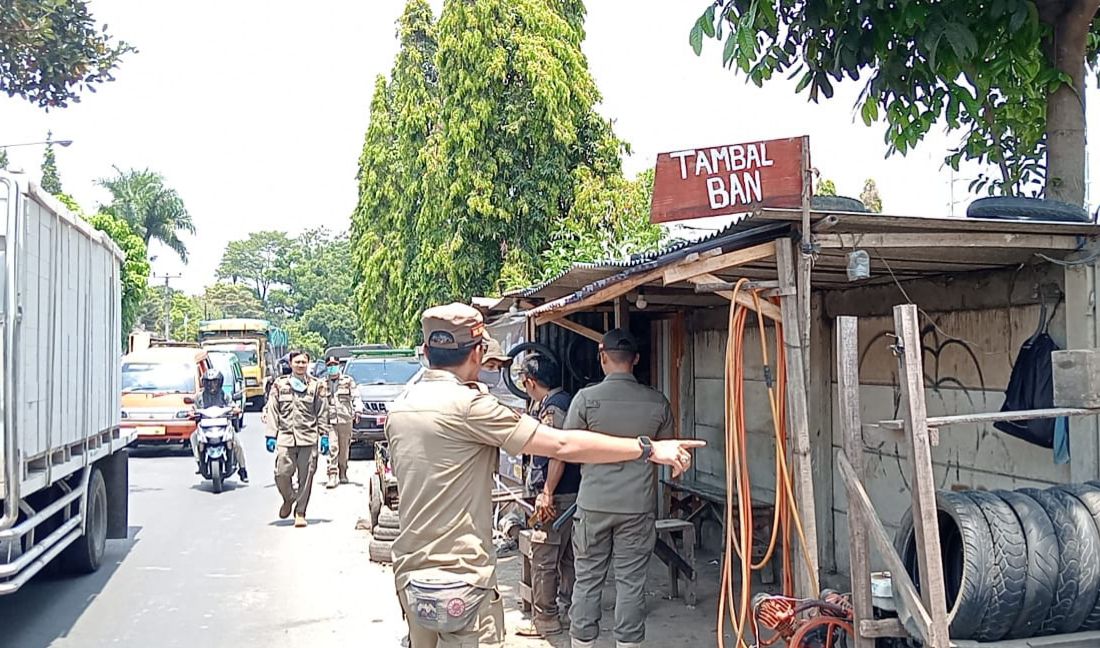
column 495, row 360
column 344, row 408
column 445, row 433
column 297, row 413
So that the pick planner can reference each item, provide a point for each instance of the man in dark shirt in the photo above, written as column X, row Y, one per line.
column 556, row 484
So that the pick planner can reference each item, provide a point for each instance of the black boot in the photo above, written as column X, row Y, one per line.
column 243, row 475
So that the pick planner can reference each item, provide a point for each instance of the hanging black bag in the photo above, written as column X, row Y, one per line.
column 1031, row 386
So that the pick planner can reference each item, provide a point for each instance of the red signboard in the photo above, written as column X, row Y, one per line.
column 728, row 179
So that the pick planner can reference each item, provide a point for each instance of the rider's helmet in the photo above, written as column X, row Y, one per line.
column 212, row 381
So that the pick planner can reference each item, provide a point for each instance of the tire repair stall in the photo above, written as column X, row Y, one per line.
column 754, row 335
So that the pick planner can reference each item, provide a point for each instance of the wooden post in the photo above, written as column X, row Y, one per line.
column 805, row 259
column 859, row 554
column 821, row 396
column 1081, row 333
column 622, row 313
column 926, row 526
column 799, row 420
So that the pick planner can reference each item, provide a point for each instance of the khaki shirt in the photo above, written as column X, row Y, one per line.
column 443, row 438
column 298, row 419
column 622, row 407
column 343, row 399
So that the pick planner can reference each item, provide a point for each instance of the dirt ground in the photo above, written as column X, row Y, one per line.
column 670, row 622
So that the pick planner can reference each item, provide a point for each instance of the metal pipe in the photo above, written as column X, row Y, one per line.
column 32, row 521
column 12, row 460
column 17, row 582
column 72, row 526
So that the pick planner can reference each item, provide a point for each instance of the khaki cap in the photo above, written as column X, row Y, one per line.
column 454, row 326
column 495, row 351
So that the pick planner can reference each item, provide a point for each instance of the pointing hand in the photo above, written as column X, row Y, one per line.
column 675, row 453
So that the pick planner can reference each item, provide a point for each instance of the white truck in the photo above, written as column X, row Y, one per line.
column 64, row 483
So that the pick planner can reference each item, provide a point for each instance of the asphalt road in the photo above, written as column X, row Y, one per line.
column 209, row 570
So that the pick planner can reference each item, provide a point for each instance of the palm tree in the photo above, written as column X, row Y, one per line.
column 153, row 210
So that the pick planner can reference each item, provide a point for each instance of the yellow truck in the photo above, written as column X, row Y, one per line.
column 255, row 342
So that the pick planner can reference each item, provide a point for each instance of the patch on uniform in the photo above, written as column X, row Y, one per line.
column 547, row 419
column 456, row 607
column 426, row 610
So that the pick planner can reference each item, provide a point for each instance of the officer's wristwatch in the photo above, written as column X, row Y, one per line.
column 647, row 447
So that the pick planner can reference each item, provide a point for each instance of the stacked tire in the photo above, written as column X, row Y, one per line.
column 383, row 533
column 1017, row 564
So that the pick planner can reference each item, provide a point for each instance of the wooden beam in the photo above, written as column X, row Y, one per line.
column 622, row 312
column 579, row 329
column 882, row 629
column 743, row 297
column 729, row 285
column 607, row 293
column 926, row 525
column 798, row 417
column 859, row 551
column 903, row 585
column 993, row 417
column 970, row 240
column 688, row 269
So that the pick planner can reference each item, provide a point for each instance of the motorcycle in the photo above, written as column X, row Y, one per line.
column 217, row 456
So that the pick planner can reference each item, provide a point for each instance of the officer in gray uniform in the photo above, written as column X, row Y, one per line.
column 615, row 518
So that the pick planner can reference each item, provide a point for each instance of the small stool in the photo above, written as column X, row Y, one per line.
column 525, row 598
column 665, row 531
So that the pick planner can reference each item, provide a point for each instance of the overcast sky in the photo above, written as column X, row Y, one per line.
column 255, row 111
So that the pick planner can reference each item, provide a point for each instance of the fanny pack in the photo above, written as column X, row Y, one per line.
column 443, row 606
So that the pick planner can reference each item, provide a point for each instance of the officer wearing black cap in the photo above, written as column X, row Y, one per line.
column 344, row 407
column 615, row 520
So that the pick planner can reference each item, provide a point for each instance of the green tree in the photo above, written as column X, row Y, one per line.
column 259, row 261
column 870, row 196
column 51, row 181
column 184, row 311
column 135, row 268
column 472, row 155
column 335, row 323
column 1010, row 74
column 301, row 338
column 825, row 188
column 609, row 220
column 51, row 50
column 222, row 300
column 154, row 210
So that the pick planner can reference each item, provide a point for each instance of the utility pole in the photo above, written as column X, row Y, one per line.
column 167, row 303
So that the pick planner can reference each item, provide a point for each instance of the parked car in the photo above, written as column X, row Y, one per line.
column 381, row 374
column 158, row 392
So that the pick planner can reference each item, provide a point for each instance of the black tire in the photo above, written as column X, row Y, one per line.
column 380, row 551
column 375, row 500
column 389, row 518
column 526, row 347
column 387, row 534
column 85, row 555
column 1007, row 569
column 217, row 477
column 1029, row 209
column 1075, row 591
column 837, row 204
column 1089, row 496
column 579, row 350
column 965, row 541
column 1042, row 563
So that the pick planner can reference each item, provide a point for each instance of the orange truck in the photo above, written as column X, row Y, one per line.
column 158, row 392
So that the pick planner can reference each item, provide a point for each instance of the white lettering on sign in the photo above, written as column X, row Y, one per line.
column 732, row 172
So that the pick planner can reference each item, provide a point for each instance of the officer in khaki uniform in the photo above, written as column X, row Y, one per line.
column 615, row 519
column 444, row 433
column 344, row 407
column 297, row 412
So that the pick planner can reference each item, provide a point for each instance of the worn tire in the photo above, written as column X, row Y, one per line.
column 85, row 554
column 389, row 518
column 380, row 551
column 837, row 204
column 523, row 347
column 1029, row 209
column 1089, row 496
column 1075, row 592
column 965, row 544
column 387, row 534
column 1007, row 567
column 1042, row 563
column 374, row 499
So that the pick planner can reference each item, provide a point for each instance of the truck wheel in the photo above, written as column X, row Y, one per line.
column 381, row 551
column 389, row 518
column 217, row 477
column 85, row 555
column 375, row 500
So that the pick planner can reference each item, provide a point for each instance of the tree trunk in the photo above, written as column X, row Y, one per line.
column 1066, row 106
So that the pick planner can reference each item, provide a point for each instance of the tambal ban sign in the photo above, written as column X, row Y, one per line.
column 729, row 179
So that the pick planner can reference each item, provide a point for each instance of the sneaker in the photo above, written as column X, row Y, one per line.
column 300, row 521
column 344, row 479
column 332, row 481
column 243, row 475
column 285, row 509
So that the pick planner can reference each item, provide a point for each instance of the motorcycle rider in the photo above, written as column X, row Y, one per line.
column 212, row 395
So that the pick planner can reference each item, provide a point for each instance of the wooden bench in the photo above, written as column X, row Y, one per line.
column 694, row 501
column 666, row 529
